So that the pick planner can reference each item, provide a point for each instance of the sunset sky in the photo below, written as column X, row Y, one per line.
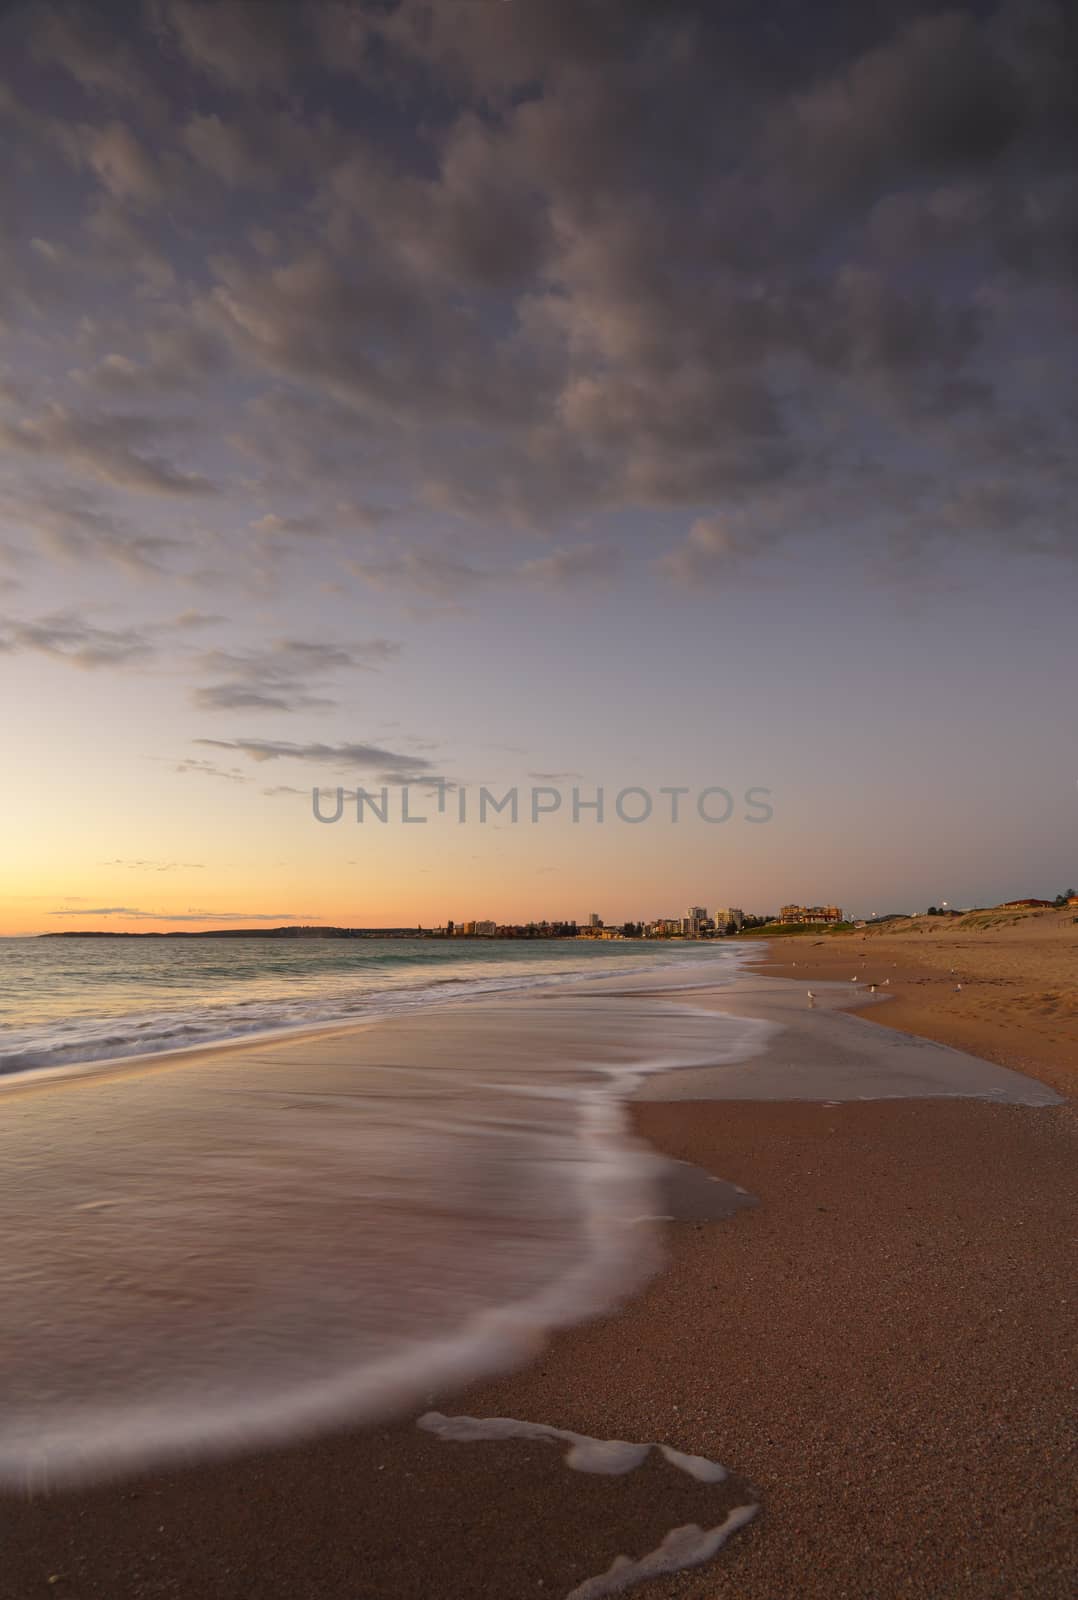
column 542, row 393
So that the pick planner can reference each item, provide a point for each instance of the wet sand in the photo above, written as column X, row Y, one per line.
column 881, row 1351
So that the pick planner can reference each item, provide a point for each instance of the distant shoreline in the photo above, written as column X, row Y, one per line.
column 244, row 933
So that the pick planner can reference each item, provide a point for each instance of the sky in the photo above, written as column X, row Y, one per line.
column 550, row 394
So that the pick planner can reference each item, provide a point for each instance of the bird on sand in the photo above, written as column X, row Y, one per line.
column 812, row 997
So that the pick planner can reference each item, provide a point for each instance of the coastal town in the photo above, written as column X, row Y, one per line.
column 728, row 922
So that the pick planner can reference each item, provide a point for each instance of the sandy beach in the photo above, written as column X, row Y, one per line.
column 880, row 1351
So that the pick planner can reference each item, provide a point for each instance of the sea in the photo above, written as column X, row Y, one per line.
column 250, row 1188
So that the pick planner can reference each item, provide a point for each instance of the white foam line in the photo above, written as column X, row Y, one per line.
column 585, row 1454
column 687, row 1546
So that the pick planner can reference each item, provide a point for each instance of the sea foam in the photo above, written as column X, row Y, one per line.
column 686, row 1546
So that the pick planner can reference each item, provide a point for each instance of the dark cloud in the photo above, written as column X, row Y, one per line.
column 711, row 549
column 280, row 676
column 443, row 576
column 137, row 914
column 197, row 619
column 274, row 524
column 68, row 523
column 335, row 755
column 174, row 359
column 208, row 769
column 111, row 447
column 544, row 262
column 430, row 572
column 121, row 164
column 241, row 46
column 943, row 94
column 68, row 637
column 79, row 40
column 582, row 564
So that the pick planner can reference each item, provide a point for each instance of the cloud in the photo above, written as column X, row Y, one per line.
column 78, row 40
column 175, row 359
column 280, row 676
column 100, row 911
column 941, row 94
column 67, row 637
column 641, row 258
column 156, row 866
column 121, row 164
column 443, row 576
column 197, row 619
column 208, row 769
column 430, row 572
column 588, row 561
column 710, row 549
column 137, row 914
column 107, row 445
column 245, row 48
column 273, row 523
column 71, row 524
column 336, row 755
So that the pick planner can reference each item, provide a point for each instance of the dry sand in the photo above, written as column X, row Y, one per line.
column 883, row 1347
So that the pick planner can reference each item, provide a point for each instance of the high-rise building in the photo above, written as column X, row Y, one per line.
column 727, row 914
column 595, row 920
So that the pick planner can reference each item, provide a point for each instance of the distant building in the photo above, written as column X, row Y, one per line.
column 824, row 914
column 486, row 930
column 595, row 920
column 1025, row 905
column 727, row 914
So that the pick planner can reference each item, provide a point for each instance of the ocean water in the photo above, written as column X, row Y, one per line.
column 214, row 1248
column 66, row 1001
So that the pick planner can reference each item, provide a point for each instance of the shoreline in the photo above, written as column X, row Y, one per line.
column 63, row 1072
column 879, row 1346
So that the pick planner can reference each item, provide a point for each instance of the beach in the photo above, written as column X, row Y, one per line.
column 879, row 1350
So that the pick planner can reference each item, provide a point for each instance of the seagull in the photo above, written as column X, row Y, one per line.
column 958, row 988
column 812, row 997
column 872, row 988
column 854, row 978
column 886, row 981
